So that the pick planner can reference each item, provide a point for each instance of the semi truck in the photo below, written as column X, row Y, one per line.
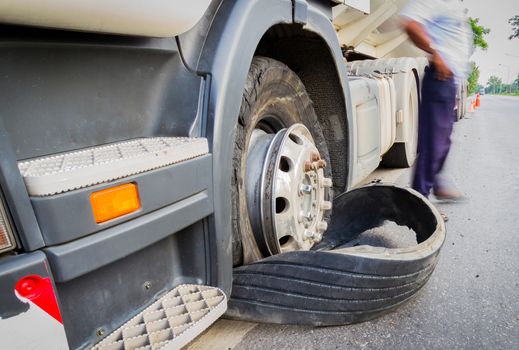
column 164, row 163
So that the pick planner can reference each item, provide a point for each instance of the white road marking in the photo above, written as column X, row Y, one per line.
column 224, row 334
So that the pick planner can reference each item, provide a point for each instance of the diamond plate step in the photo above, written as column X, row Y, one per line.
column 72, row 170
column 171, row 322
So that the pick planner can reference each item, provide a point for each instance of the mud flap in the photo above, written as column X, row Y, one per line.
column 336, row 283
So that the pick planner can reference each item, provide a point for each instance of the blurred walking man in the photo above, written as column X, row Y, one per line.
column 440, row 28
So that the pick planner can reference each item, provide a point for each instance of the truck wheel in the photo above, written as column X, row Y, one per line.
column 336, row 283
column 403, row 154
column 276, row 135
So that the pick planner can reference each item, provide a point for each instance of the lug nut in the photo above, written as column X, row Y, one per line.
column 308, row 166
column 322, row 226
column 326, row 205
column 306, row 188
column 321, row 163
column 314, row 236
column 327, row 182
column 317, row 237
column 315, row 156
column 308, row 235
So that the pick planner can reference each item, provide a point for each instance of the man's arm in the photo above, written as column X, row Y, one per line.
column 419, row 37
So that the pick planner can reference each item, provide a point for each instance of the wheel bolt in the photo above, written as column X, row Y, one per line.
column 309, row 234
column 321, row 163
column 315, row 156
column 308, row 166
column 326, row 205
column 322, row 226
column 306, row 188
column 327, row 182
column 314, row 236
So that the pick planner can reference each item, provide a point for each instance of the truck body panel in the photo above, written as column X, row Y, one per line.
column 158, row 18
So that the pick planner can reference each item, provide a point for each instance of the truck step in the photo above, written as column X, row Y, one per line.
column 171, row 322
column 77, row 169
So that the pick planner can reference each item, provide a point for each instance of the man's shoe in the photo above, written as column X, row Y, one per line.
column 450, row 195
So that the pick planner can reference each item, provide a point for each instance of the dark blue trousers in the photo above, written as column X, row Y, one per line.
column 436, row 121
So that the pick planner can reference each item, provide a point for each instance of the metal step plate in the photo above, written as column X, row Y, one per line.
column 171, row 322
column 72, row 170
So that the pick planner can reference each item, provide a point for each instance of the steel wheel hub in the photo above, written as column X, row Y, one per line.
column 286, row 187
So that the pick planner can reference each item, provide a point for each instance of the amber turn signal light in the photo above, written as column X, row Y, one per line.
column 114, row 202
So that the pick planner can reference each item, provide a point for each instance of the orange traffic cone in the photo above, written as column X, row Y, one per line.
column 471, row 106
column 478, row 102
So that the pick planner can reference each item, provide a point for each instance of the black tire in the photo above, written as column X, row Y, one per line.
column 403, row 154
column 274, row 98
column 332, row 285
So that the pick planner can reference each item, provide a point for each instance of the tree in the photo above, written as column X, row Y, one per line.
column 514, row 21
column 494, row 84
column 473, row 78
column 479, row 41
column 479, row 31
column 515, row 85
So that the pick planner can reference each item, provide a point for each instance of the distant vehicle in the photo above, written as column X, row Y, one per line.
column 482, row 91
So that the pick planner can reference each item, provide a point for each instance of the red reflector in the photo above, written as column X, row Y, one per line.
column 39, row 290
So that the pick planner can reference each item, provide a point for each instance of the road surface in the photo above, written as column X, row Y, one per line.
column 472, row 299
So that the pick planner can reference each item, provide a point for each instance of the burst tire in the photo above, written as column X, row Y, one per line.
column 334, row 286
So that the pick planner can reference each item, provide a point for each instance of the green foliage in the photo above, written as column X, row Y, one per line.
column 494, row 85
column 514, row 21
column 479, row 41
column 514, row 87
column 473, row 79
column 479, row 31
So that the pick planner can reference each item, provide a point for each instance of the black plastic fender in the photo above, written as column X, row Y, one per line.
column 334, row 285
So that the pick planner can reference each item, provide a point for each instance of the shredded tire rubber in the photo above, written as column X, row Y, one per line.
column 333, row 285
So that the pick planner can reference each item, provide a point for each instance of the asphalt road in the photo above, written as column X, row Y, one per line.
column 472, row 299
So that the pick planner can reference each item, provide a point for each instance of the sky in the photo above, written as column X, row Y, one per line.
column 494, row 14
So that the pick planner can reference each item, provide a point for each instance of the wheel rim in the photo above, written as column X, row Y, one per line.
column 285, row 187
